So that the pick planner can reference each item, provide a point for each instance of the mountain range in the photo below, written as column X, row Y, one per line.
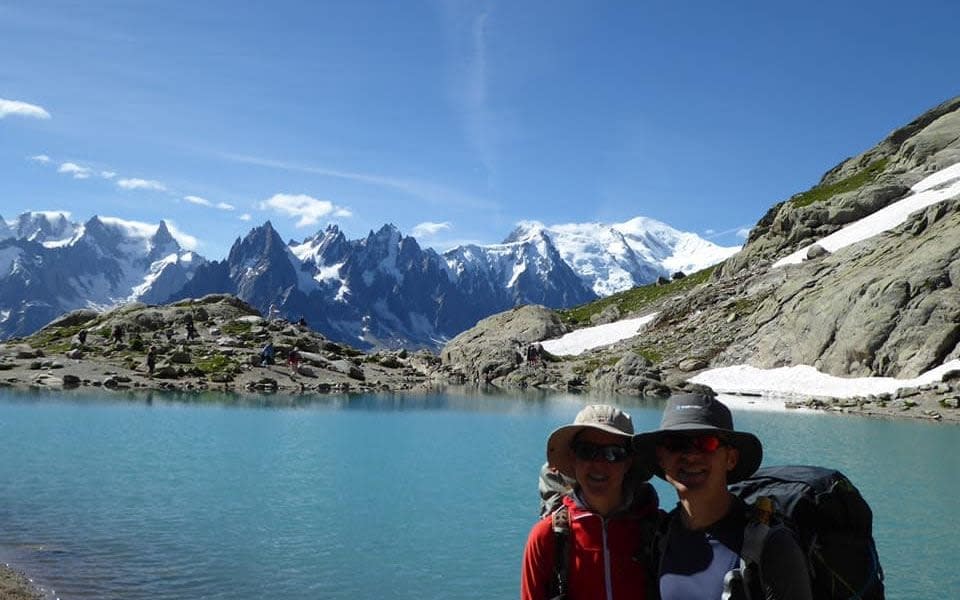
column 383, row 290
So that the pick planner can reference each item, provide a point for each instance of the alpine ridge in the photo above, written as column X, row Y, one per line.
column 381, row 291
column 49, row 266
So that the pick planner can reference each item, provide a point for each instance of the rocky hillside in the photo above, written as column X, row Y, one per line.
column 885, row 306
column 210, row 343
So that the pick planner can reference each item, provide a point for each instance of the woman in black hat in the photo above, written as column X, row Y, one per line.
column 597, row 544
column 699, row 453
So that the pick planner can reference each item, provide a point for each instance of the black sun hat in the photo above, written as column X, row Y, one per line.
column 700, row 413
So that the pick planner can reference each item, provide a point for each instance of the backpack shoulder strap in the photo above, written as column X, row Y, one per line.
column 755, row 535
column 756, row 531
column 560, row 519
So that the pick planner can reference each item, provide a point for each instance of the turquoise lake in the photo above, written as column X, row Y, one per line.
column 375, row 497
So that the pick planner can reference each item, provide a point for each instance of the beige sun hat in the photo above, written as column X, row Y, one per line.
column 602, row 417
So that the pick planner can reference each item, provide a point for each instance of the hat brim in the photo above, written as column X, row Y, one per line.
column 748, row 445
column 560, row 452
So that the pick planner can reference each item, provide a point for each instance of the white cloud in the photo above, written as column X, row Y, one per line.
column 743, row 233
column 22, row 109
column 141, row 184
column 75, row 170
column 427, row 228
column 309, row 209
column 709, row 232
column 225, row 206
column 186, row 241
column 147, row 230
column 245, row 217
column 197, row 200
column 107, row 174
column 40, row 158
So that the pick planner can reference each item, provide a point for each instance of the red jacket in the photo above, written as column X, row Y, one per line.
column 605, row 554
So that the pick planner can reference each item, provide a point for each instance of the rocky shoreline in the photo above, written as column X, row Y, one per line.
column 14, row 585
column 213, row 344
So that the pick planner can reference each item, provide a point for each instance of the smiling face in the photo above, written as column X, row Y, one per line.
column 693, row 471
column 601, row 482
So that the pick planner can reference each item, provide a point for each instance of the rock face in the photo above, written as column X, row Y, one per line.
column 498, row 345
column 888, row 305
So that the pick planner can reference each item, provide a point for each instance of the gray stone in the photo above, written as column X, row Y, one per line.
column 692, row 364
column 817, row 251
column 347, row 368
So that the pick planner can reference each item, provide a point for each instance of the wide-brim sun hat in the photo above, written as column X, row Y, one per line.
column 601, row 417
column 694, row 413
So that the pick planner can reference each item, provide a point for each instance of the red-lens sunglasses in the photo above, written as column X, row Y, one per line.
column 707, row 443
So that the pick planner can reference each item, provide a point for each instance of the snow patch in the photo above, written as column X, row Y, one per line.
column 8, row 260
column 588, row 338
column 803, row 381
column 329, row 273
column 518, row 270
column 888, row 217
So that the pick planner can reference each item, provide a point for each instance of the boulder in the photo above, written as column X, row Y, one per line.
column 491, row 349
column 347, row 368
column 692, row 364
column 817, row 251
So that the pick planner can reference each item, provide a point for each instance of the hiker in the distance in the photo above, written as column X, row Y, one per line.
column 598, row 541
column 697, row 450
column 151, row 360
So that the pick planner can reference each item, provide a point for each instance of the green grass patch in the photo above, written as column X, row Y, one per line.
column 215, row 363
column 236, row 328
column 650, row 354
column 55, row 340
column 854, row 182
column 592, row 364
column 636, row 299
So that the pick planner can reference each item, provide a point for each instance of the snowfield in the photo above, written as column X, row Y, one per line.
column 588, row 338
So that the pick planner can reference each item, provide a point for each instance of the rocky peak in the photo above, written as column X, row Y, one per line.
column 163, row 243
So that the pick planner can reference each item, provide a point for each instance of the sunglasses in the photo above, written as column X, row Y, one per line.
column 707, row 443
column 586, row 451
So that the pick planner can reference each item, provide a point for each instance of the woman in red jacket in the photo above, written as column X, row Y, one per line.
column 597, row 544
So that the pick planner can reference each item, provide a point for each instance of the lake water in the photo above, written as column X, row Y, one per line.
column 402, row 497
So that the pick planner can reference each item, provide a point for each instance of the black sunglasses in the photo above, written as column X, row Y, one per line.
column 707, row 443
column 613, row 453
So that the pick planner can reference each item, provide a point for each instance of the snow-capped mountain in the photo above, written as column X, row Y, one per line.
column 528, row 267
column 48, row 228
column 49, row 266
column 616, row 257
column 381, row 290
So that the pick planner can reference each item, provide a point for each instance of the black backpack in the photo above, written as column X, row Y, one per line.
column 831, row 520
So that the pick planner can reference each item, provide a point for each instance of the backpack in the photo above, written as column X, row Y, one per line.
column 832, row 523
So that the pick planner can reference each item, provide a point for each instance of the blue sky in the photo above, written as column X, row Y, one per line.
column 452, row 120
